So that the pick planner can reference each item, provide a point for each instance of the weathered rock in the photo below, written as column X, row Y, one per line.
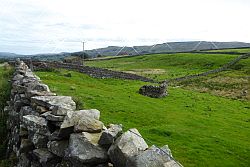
column 108, row 136
column 58, row 104
column 40, row 141
column 16, row 97
column 55, row 136
column 92, row 137
column 83, row 149
column 36, row 124
column 58, row 147
column 24, row 160
column 26, row 146
column 29, row 80
column 17, row 77
column 66, row 163
column 54, row 118
column 27, row 110
column 83, row 120
column 41, row 109
column 126, row 146
column 31, row 93
column 153, row 157
column 59, row 110
column 23, row 132
column 165, row 151
column 57, row 124
column 45, row 157
column 172, row 163
column 30, row 74
column 28, row 83
column 14, row 139
column 18, row 88
column 34, row 163
column 44, row 115
column 88, row 124
column 18, row 105
column 70, row 120
column 65, row 131
column 93, row 113
column 24, row 99
column 14, row 116
column 105, row 165
column 39, row 87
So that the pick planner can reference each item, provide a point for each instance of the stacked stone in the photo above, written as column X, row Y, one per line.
column 154, row 91
column 47, row 130
column 95, row 72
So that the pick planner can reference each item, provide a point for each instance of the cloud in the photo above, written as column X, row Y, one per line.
column 32, row 26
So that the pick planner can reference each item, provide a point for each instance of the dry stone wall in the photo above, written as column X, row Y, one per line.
column 154, row 91
column 46, row 130
column 95, row 72
column 161, row 90
column 223, row 68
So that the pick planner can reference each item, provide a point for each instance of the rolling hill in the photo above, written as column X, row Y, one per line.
column 7, row 55
column 165, row 47
column 136, row 50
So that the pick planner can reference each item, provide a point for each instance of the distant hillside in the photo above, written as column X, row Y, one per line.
column 165, row 47
column 50, row 57
column 46, row 56
column 137, row 50
column 6, row 54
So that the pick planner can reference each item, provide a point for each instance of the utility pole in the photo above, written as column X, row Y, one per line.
column 83, row 47
column 83, row 52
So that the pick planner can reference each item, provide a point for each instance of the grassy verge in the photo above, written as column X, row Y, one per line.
column 5, row 74
column 201, row 129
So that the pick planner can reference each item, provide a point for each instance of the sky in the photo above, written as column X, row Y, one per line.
column 52, row 26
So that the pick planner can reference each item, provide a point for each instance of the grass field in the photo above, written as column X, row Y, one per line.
column 232, row 83
column 243, row 50
column 162, row 66
column 5, row 74
column 201, row 129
